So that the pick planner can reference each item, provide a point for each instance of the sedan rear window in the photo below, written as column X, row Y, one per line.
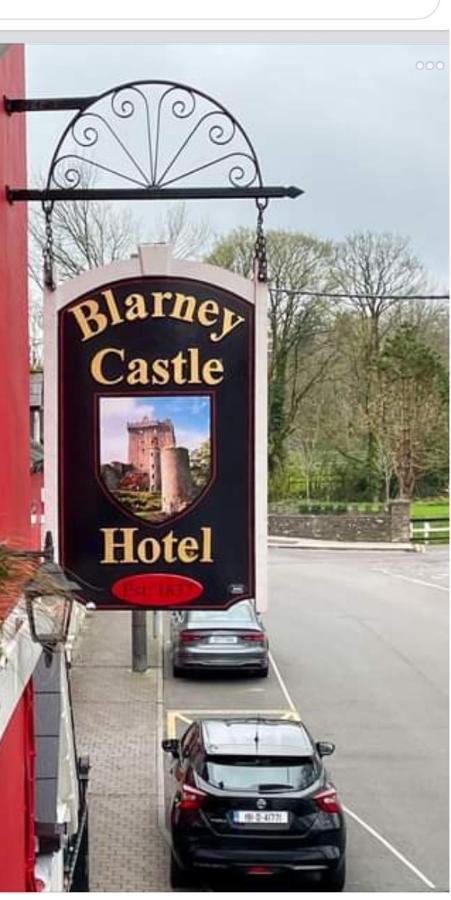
column 261, row 773
column 238, row 615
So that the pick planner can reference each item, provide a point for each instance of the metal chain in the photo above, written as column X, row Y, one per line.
column 47, row 250
column 260, row 242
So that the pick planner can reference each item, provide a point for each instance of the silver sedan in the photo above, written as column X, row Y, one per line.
column 231, row 638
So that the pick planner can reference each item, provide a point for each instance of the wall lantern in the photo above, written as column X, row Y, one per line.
column 49, row 598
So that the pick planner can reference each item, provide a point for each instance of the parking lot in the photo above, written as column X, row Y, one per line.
column 359, row 646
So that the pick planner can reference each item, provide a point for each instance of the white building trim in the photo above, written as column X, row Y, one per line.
column 18, row 658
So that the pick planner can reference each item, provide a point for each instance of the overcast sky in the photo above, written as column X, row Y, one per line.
column 360, row 128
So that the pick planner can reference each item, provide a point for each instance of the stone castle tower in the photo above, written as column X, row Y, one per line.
column 176, row 482
column 146, row 440
column 152, row 449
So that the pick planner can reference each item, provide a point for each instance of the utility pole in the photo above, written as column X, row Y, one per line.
column 139, row 640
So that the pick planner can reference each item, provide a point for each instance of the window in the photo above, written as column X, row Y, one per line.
column 261, row 773
column 241, row 614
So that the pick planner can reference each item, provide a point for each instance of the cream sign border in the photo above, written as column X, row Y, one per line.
column 157, row 260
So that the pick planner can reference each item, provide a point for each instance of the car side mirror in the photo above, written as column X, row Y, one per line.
column 172, row 746
column 325, row 748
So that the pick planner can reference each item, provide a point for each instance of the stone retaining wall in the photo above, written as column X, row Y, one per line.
column 392, row 524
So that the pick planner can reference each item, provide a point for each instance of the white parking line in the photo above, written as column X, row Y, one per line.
column 438, row 587
column 390, row 847
column 282, row 685
column 348, row 811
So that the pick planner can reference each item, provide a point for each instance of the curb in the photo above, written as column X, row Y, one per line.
column 312, row 544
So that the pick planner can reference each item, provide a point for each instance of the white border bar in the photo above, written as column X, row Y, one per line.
column 237, row 10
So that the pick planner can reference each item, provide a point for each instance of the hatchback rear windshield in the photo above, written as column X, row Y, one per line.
column 239, row 615
column 261, row 773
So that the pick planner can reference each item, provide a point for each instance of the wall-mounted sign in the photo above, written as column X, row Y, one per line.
column 160, row 396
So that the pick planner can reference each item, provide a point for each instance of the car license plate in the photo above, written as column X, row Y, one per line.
column 223, row 639
column 260, row 817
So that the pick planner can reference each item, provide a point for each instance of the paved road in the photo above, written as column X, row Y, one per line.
column 360, row 642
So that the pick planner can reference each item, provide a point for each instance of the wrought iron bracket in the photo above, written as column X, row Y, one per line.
column 44, row 104
column 147, row 137
column 138, row 140
column 14, row 195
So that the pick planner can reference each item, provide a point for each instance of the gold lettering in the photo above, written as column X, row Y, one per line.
column 193, row 366
column 160, row 374
column 158, row 298
column 178, row 364
column 92, row 315
column 169, row 542
column 188, row 549
column 96, row 365
column 184, row 308
column 228, row 325
column 119, row 547
column 154, row 547
column 110, row 545
column 209, row 368
column 206, row 546
column 137, row 308
column 208, row 313
column 113, row 309
column 138, row 372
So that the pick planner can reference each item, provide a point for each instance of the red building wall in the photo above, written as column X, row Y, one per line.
column 17, row 799
column 37, row 510
column 17, row 850
column 14, row 368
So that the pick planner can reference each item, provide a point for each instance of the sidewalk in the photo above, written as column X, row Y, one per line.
column 116, row 721
column 314, row 544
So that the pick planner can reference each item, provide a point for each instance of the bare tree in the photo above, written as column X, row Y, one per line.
column 374, row 270
column 410, row 412
column 296, row 262
column 89, row 234
column 189, row 238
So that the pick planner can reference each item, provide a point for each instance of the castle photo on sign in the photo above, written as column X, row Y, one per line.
column 155, row 452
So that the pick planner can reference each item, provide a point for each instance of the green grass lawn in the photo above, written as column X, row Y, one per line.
column 434, row 509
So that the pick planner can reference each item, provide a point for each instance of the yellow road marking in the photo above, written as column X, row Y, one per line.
column 187, row 715
column 171, row 722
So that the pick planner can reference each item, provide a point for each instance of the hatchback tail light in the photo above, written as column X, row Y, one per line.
column 188, row 637
column 259, row 870
column 328, row 801
column 192, row 797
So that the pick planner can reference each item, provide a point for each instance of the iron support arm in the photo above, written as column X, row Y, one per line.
column 15, row 195
column 44, row 104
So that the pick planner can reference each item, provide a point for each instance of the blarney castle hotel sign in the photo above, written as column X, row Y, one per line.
column 156, row 433
column 155, row 368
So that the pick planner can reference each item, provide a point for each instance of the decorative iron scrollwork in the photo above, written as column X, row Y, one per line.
column 153, row 134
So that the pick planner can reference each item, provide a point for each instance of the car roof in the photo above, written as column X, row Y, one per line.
column 256, row 736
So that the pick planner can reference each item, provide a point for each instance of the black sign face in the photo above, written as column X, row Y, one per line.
column 156, row 444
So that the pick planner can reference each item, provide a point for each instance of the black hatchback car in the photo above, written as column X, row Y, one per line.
column 252, row 795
